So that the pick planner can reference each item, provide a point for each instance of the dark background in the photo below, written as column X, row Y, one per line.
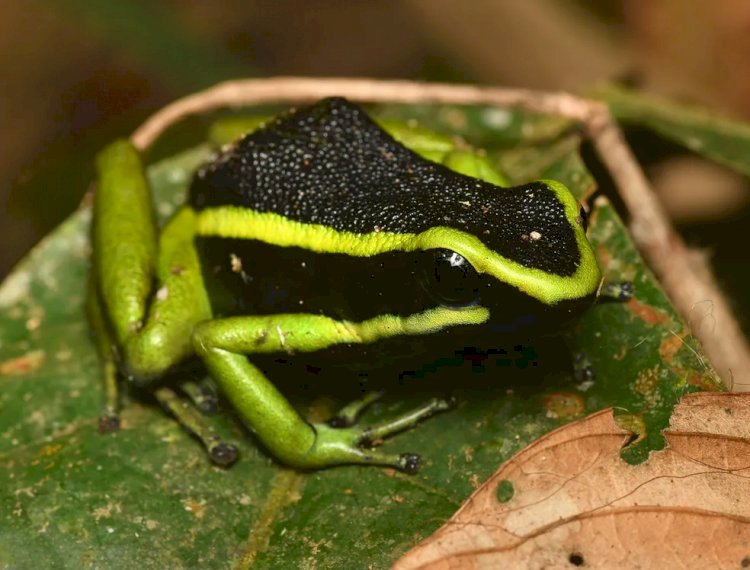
column 77, row 73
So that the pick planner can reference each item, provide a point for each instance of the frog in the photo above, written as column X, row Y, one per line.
column 324, row 230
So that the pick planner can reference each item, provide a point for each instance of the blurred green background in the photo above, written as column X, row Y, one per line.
column 77, row 73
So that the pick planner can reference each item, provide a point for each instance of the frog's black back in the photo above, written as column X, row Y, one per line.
column 330, row 164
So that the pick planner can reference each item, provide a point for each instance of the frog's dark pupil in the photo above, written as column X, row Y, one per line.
column 452, row 279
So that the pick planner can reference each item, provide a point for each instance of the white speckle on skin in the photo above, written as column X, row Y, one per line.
column 282, row 336
column 162, row 293
column 535, row 235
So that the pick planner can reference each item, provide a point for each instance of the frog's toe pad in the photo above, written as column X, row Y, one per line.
column 109, row 423
column 224, row 454
column 410, row 463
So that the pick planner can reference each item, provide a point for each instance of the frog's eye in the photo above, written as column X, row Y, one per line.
column 451, row 279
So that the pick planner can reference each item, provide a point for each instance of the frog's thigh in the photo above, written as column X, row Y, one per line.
column 180, row 302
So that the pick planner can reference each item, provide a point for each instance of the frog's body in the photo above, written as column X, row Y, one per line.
column 320, row 230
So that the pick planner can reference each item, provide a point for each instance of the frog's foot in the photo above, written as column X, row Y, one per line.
column 354, row 444
column 202, row 397
column 109, row 420
column 617, row 291
column 347, row 416
column 583, row 369
column 220, row 452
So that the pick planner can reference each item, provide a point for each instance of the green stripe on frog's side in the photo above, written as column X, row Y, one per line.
column 236, row 222
column 289, row 332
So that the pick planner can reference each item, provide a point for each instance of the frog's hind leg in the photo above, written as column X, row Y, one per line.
column 149, row 283
column 220, row 452
column 348, row 415
column 407, row 420
column 202, row 396
column 223, row 345
column 109, row 420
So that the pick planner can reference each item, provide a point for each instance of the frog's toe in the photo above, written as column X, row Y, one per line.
column 407, row 420
column 348, row 415
column 223, row 453
column 109, row 421
column 410, row 463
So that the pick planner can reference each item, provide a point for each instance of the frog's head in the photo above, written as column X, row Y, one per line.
column 527, row 263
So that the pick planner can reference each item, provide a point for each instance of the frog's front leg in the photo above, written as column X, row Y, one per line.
column 223, row 344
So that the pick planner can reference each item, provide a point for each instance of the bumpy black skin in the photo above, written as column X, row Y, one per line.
column 330, row 164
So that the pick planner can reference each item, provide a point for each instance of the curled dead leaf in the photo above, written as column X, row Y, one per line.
column 568, row 499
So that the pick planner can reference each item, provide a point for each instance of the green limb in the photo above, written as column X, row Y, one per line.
column 124, row 236
column 128, row 262
column 347, row 416
column 219, row 451
column 408, row 420
column 202, row 396
column 179, row 303
column 267, row 412
column 223, row 344
column 109, row 420
column 145, row 297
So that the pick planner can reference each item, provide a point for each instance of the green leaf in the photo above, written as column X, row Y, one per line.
column 724, row 140
column 73, row 497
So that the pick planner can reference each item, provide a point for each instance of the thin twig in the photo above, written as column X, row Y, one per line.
column 686, row 284
column 245, row 92
column 685, row 277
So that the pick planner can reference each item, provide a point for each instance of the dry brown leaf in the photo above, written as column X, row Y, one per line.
column 571, row 501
